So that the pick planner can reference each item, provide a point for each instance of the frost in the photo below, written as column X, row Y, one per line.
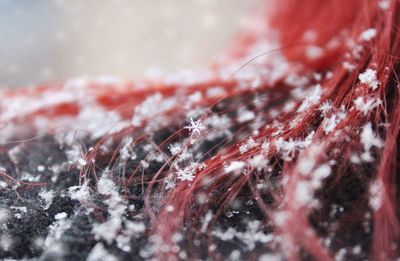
column 369, row 77
column 368, row 35
column 366, row 106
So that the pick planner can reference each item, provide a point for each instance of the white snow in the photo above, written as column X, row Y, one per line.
column 369, row 77
column 47, row 196
column 366, row 105
column 368, row 34
column 235, row 166
column 369, row 139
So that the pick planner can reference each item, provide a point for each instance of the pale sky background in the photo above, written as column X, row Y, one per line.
column 54, row 40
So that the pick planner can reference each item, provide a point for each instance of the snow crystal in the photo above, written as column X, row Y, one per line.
column 368, row 34
column 369, row 77
column 235, row 166
column 329, row 124
column 186, row 174
column 47, row 196
column 313, row 97
column 195, row 127
column 369, row 140
column 250, row 143
column 366, row 106
column 174, row 148
column 325, row 107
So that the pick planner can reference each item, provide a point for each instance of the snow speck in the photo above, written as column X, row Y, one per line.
column 235, row 166
column 60, row 216
column 368, row 34
column 47, row 196
column 366, row 106
column 195, row 127
column 369, row 77
column 369, row 139
column 376, row 195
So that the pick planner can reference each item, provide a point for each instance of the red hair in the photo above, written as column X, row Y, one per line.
column 301, row 143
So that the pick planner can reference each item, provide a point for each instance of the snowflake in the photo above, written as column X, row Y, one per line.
column 235, row 166
column 186, row 174
column 366, row 106
column 368, row 34
column 195, row 127
column 313, row 97
column 175, row 148
column 325, row 107
column 250, row 143
column 369, row 77
column 369, row 139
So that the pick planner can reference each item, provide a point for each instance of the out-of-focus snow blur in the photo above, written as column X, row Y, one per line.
column 46, row 41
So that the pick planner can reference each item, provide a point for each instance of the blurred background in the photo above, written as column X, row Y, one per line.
column 54, row 40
